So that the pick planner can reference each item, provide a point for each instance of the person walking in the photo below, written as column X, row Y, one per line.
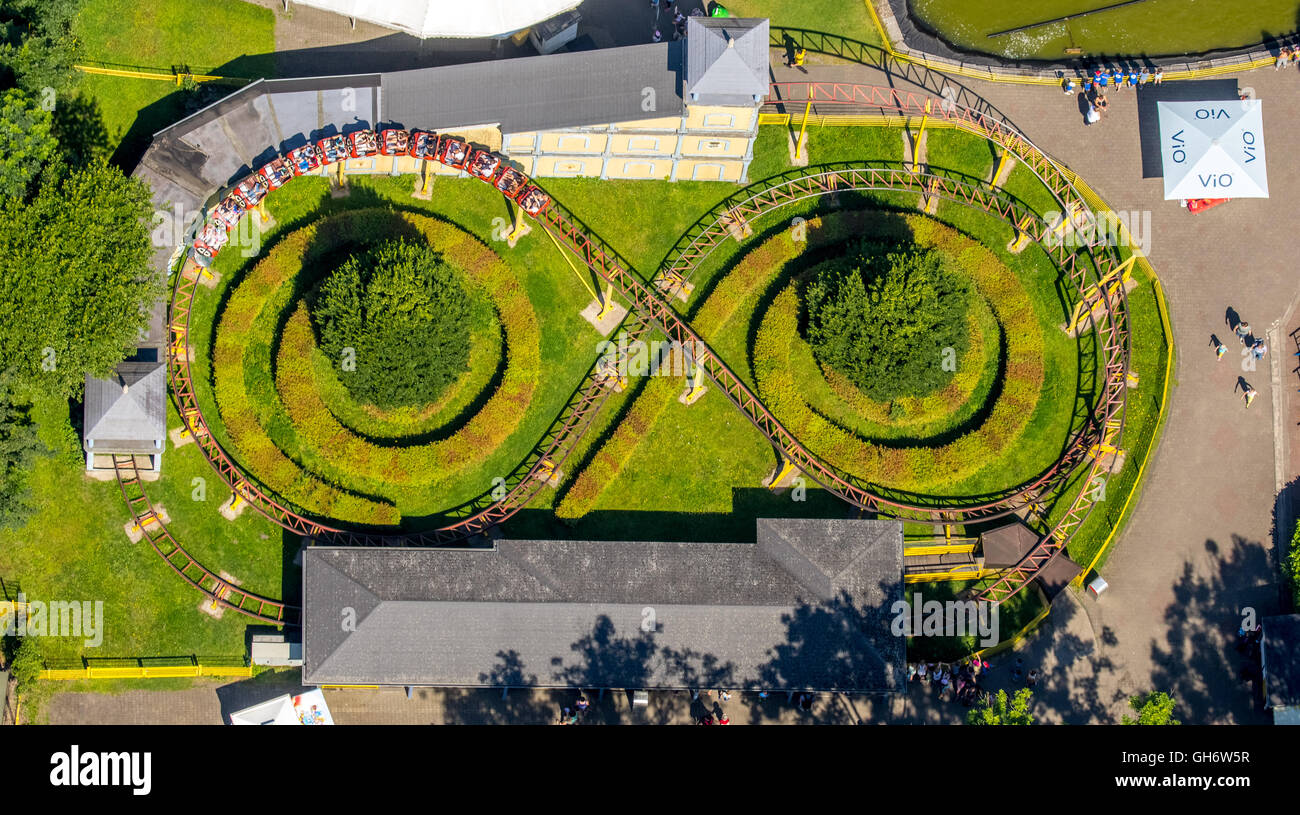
column 1259, row 349
column 1242, row 331
column 801, row 56
column 657, row 36
column 1250, row 395
column 1219, row 350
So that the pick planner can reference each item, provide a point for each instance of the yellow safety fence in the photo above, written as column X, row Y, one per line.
column 149, row 672
column 990, row 75
column 177, row 77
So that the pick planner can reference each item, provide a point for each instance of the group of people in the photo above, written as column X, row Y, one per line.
column 1286, row 56
column 958, row 682
column 1253, row 346
column 1094, row 87
column 677, row 20
column 573, row 715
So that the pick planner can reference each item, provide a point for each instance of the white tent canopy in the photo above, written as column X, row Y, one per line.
column 1213, row 149
column 448, row 18
column 305, row 708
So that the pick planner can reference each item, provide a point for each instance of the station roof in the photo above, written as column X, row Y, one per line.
column 129, row 408
column 726, row 60
column 541, row 93
column 806, row 607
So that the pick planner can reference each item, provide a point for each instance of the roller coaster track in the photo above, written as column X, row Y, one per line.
column 152, row 528
column 1107, row 419
column 649, row 309
column 473, row 518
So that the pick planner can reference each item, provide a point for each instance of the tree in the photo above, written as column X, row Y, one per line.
column 1155, row 708
column 998, row 711
column 37, row 45
column 402, row 312
column 26, row 142
column 76, row 286
column 888, row 320
column 19, row 446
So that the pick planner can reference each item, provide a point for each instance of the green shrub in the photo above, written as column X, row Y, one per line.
column 375, row 305
column 885, row 318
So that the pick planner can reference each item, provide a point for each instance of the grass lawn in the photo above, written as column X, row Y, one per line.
column 847, row 18
column 228, row 38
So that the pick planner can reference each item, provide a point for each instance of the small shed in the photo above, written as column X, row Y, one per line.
column 125, row 414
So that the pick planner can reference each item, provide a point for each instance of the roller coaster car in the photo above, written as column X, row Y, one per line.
column 303, row 160
column 394, row 142
column 276, row 173
column 363, row 143
column 424, row 145
column 512, row 182
column 333, row 149
column 453, row 153
column 533, row 200
column 210, row 240
column 483, row 164
column 231, row 209
column 253, row 189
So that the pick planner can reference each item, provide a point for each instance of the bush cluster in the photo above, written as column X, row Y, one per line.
column 885, row 318
column 399, row 311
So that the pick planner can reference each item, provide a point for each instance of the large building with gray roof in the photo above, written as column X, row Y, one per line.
column 805, row 607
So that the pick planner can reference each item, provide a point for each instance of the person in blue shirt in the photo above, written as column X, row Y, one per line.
column 1103, row 79
column 1117, row 78
column 1133, row 78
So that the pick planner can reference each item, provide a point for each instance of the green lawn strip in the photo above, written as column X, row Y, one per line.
column 847, row 18
column 953, row 149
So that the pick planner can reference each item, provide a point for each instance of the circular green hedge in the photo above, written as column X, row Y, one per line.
column 266, row 364
column 953, row 438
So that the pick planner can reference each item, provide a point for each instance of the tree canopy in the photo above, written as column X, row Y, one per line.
column 395, row 319
column 1000, row 710
column 1156, row 708
column 889, row 319
column 76, row 284
column 26, row 142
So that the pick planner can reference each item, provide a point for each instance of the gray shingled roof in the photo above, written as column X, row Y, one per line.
column 806, row 607
column 132, row 414
column 541, row 93
column 1280, row 651
column 726, row 60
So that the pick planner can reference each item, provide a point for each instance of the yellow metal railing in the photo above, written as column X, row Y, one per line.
column 177, row 77
column 146, row 672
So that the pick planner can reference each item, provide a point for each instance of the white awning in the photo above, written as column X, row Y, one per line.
column 305, row 708
column 1213, row 149
column 449, row 18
